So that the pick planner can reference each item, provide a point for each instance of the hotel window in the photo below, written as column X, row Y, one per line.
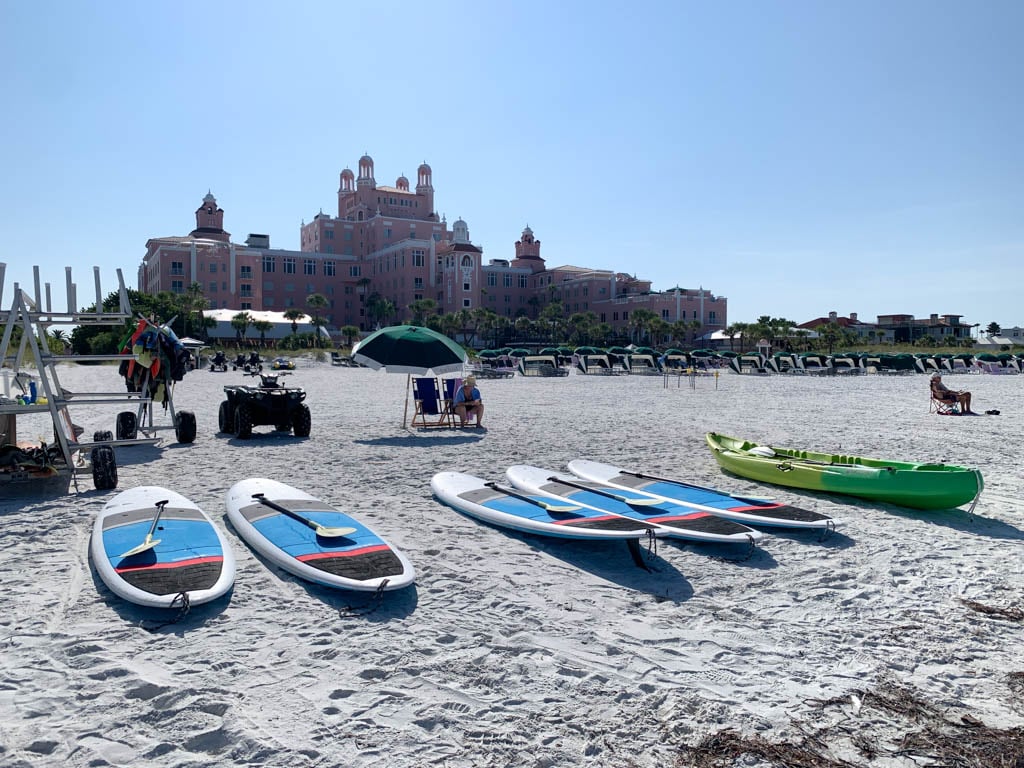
column 245, row 272
column 246, row 305
column 353, row 270
column 177, row 286
column 417, row 258
column 213, row 286
column 467, row 261
column 308, row 267
column 269, row 264
column 465, row 303
column 522, row 281
column 508, row 299
column 417, row 296
column 329, row 269
column 348, row 234
column 664, row 314
column 329, row 234
column 289, row 265
column 711, row 317
column 492, row 279
column 465, row 286
column 245, row 290
column 177, row 268
column 417, row 283
column 387, row 233
column 506, row 280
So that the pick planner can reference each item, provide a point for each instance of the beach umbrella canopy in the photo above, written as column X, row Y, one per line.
column 645, row 351
column 549, row 351
column 488, row 354
column 519, row 352
column 619, row 351
column 410, row 349
column 588, row 351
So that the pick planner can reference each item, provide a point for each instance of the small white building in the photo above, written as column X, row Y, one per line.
column 282, row 326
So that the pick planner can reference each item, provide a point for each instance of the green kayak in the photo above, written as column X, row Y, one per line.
column 921, row 486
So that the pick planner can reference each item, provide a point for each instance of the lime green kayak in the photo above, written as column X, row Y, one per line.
column 921, row 486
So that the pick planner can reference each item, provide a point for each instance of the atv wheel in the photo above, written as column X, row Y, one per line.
column 225, row 418
column 104, row 468
column 185, row 426
column 302, row 421
column 243, row 422
column 127, row 426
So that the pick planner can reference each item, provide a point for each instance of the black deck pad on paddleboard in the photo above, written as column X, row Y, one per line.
column 170, row 579
column 360, row 566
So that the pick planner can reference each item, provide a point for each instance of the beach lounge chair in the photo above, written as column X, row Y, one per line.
column 432, row 410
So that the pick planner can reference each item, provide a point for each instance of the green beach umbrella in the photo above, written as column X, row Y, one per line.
column 410, row 349
column 519, row 352
column 488, row 354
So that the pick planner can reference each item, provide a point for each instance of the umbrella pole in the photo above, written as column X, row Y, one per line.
column 405, row 408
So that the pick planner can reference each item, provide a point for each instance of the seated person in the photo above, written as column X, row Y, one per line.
column 946, row 395
column 468, row 402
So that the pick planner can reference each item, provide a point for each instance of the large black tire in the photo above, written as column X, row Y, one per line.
column 243, row 422
column 226, row 418
column 102, row 436
column 302, row 421
column 104, row 468
column 185, row 426
column 127, row 426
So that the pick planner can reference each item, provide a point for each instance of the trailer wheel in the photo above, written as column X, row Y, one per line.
column 104, row 468
column 127, row 426
column 185, row 426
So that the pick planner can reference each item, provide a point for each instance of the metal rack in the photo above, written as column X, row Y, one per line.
column 69, row 455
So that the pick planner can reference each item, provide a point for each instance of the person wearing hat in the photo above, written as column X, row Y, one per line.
column 941, row 392
column 468, row 402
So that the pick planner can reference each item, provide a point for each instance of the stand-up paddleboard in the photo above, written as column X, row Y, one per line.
column 500, row 505
column 680, row 522
column 742, row 509
column 313, row 540
column 154, row 547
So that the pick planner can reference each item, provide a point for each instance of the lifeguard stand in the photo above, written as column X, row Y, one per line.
column 68, row 456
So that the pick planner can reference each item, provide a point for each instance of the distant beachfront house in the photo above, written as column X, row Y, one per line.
column 388, row 247
column 1001, row 340
column 863, row 330
column 907, row 329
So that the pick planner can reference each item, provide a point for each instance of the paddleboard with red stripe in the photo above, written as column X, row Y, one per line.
column 185, row 554
column 317, row 542
column 676, row 520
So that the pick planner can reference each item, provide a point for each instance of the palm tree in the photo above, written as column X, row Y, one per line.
column 317, row 302
column 294, row 314
column 192, row 302
column 240, row 323
column 640, row 321
column 349, row 332
column 263, row 326
column 422, row 309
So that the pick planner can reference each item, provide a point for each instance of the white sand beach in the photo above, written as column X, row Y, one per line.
column 513, row 650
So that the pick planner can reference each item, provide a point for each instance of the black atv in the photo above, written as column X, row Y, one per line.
column 219, row 362
column 269, row 403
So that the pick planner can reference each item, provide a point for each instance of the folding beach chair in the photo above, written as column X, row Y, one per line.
column 431, row 410
column 944, row 407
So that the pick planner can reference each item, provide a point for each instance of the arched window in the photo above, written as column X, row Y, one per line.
column 467, row 261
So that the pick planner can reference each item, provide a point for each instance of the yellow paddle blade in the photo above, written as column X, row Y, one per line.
column 148, row 543
column 330, row 533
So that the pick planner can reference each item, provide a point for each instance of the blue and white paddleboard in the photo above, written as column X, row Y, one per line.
column 313, row 540
column 533, row 513
column 742, row 509
column 674, row 520
column 151, row 545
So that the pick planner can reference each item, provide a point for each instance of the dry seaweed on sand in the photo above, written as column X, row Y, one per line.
column 929, row 735
column 1013, row 614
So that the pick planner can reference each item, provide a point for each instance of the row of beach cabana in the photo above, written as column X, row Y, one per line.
column 588, row 360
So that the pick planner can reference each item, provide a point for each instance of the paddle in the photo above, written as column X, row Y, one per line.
column 542, row 504
column 632, row 501
column 321, row 530
column 149, row 542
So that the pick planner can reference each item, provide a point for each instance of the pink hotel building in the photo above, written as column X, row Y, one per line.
column 390, row 240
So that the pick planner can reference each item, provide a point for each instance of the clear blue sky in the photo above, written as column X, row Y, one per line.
column 796, row 157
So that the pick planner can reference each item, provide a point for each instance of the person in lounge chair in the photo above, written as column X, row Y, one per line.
column 468, row 402
column 941, row 392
